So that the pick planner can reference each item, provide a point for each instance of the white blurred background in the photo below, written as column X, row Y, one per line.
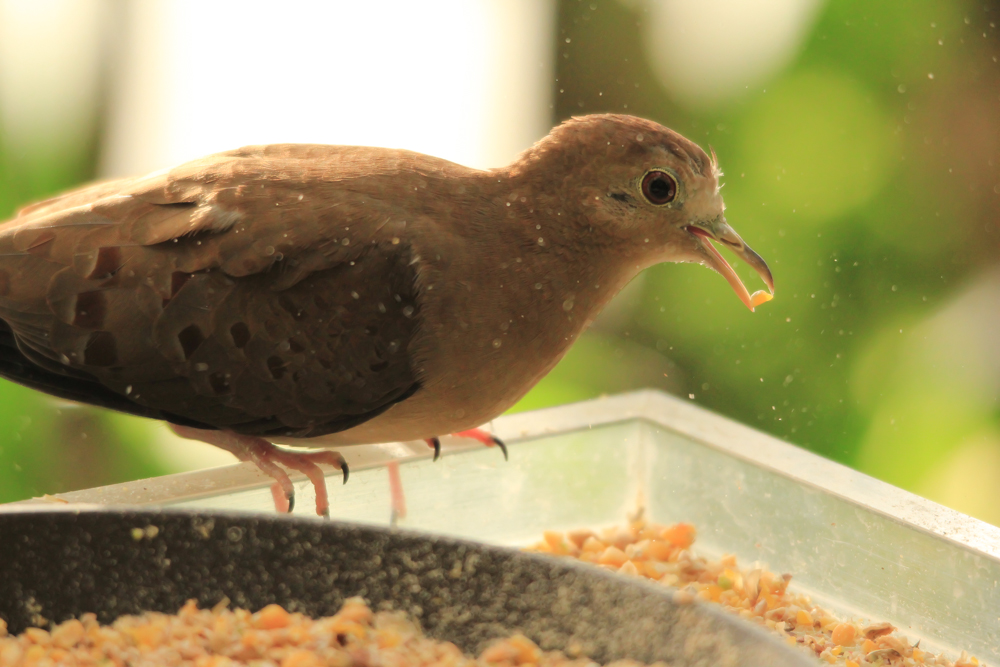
column 861, row 143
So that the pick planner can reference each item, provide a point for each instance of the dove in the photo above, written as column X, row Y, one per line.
column 280, row 293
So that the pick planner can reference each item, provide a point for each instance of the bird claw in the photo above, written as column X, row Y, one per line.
column 503, row 447
column 487, row 439
column 435, row 444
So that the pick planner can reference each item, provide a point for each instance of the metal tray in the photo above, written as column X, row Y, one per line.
column 858, row 546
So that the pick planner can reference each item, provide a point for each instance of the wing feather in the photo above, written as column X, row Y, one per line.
column 263, row 290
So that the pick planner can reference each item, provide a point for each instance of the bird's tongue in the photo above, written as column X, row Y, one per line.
column 723, row 267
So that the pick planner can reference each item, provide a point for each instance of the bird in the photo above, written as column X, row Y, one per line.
column 262, row 297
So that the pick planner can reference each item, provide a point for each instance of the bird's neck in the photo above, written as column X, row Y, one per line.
column 560, row 269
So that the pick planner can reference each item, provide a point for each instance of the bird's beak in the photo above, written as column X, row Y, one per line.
column 720, row 231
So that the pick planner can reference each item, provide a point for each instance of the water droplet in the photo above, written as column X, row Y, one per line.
column 269, row 250
column 541, row 241
column 381, row 307
column 201, row 366
column 408, row 311
column 395, row 240
column 128, row 390
column 538, row 286
column 638, row 137
column 497, row 342
column 346, row 242
column 568, row 305
column 355, row 295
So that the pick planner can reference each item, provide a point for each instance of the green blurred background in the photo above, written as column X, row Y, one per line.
column 863, row 169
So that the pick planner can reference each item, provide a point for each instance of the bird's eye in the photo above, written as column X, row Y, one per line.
column 659, row 188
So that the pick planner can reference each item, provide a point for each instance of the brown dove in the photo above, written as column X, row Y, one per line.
column 368, row 295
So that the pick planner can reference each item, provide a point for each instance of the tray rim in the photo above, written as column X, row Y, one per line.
column 654, row 407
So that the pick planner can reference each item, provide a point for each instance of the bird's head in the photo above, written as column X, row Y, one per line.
column 650, row 187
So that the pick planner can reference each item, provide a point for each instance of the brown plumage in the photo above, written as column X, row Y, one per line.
column 291, row 291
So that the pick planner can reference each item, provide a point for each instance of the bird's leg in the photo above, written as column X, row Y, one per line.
column 266, row 456
column 398, row 499
column 398, row 502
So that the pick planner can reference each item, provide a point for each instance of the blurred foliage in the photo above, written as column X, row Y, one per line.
column 49, row 446
column 865, row 173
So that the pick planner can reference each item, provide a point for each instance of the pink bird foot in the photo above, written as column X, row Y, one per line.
column 267, row 456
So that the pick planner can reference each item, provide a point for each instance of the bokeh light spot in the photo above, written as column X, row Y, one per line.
column 817, row 144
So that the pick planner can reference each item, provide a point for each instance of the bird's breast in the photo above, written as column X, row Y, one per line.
column 485, row 340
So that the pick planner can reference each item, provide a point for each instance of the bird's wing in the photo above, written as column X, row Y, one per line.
column 256, row 290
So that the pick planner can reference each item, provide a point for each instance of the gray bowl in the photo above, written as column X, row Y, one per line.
column 58, row 564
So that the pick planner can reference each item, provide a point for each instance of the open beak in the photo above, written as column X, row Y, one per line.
column 719, row 230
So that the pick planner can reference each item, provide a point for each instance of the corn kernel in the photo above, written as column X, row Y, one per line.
column 613, row 556
column 271, row 617
column 37, row 636
column 301, row 658
column 355, row 609
column 578, row 537
column 660, row 549
column 68, row 634
column 628, row 567
column 555, row 541
column 843, row 634
column 680, row 535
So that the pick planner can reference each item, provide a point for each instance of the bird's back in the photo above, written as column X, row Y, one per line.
column 264, row 290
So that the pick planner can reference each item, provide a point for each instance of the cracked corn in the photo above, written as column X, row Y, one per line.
column 663, row 553
column 219, row 637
